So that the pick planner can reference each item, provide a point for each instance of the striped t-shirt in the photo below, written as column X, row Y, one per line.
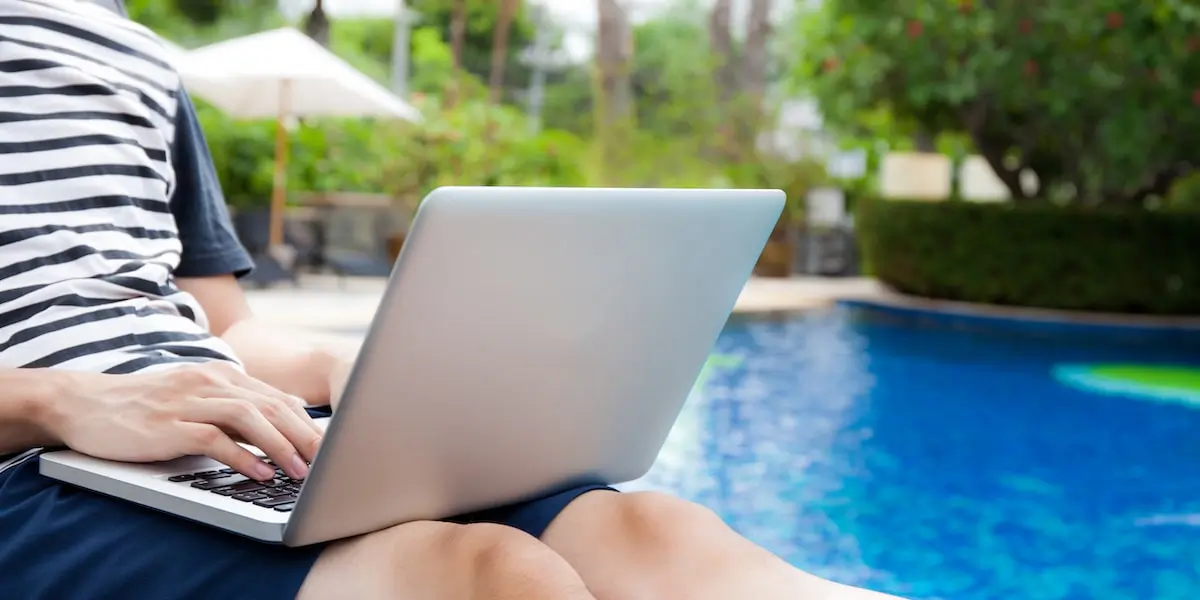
column 106, row 195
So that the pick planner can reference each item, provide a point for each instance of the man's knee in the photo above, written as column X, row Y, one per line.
column 503, row 562
column 664, row 518
column 441, row 560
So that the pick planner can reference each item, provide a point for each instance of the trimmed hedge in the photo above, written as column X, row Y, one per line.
column 1036, row 255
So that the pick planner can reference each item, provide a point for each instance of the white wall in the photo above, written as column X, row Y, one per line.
column 915, row 176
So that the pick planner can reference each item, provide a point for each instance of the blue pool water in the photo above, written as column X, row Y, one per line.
column 934, row 458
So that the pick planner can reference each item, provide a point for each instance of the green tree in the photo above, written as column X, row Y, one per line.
column 1098, row 99
column 477, row 43
column 367, row 43
column 672, row 82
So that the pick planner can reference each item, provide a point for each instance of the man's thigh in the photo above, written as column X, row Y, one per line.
column 60, row 542
column 64, row 543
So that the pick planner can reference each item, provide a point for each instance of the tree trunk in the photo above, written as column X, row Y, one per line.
column 614, row 86
column 614, row 58
column 994, row 154
column 724, row 67
column 975, row 119
column 720, row 40
column 1159, row 185
column 316, row 26
column 508, row 9
column 458, row 35
column 753, row 74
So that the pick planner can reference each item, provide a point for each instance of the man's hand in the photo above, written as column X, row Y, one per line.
column 194, row 410
column 272, row 354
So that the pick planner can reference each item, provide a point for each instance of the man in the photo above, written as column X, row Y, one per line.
column 124, row 335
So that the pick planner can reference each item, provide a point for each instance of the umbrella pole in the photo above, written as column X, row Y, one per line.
column 279, row 189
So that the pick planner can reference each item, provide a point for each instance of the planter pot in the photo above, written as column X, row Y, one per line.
column 776, row 259
column 395, row 242
column 779, row 255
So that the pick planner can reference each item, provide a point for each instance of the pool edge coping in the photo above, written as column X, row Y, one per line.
column 898, row 302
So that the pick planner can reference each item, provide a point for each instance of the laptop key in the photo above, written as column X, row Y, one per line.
column 212, row 484
column 248, row 496
column 285, row 507
column 179, row 478
column 247, row 486
column 276, row 501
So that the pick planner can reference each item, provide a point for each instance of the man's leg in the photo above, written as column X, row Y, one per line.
column 443, row 561
column 58, row 542
column 647, row 546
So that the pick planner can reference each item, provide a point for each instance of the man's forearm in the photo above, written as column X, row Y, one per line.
column 284, row 360
column 270, row 353
column 26, row 399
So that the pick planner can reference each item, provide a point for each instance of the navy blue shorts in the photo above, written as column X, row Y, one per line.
column 58, row 542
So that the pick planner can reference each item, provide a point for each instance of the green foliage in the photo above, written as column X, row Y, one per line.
column 1038, row 255
column 366, row 44
column 477, row 43
column 478, row 143
column 678, row 120
column 242, row 154
column 672, row 78
column 672, row 83
column 568, row 101
column 1099, row 99
column 1185, row 194
column 475, row 142
column 433, row 65
column 193, row 23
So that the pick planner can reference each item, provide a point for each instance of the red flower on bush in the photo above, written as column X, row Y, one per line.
column 915, row 29
column 1031, row 68
column 1026, row 25
column 830, row 64
column 1196, row 97
column 1114, row 20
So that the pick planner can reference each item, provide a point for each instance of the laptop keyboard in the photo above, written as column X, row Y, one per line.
column 278, row 494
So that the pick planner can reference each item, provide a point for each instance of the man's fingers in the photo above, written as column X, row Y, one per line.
column 246, row 419
column 254, row 385
column 295, row 424
column 208, row 440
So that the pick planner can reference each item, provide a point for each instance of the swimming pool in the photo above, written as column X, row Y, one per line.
column 943, row 458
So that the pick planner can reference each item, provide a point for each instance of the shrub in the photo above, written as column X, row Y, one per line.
column 1036, row 255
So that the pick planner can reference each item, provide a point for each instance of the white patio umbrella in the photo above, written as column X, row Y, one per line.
column 175, row 54
column 284, row 74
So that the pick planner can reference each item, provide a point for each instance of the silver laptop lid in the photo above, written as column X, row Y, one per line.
column 531, row 339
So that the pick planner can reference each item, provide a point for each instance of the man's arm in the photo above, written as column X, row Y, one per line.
column 270, row 354
column 24, row 395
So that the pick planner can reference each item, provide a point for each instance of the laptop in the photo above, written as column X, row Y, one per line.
column 529, row 340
